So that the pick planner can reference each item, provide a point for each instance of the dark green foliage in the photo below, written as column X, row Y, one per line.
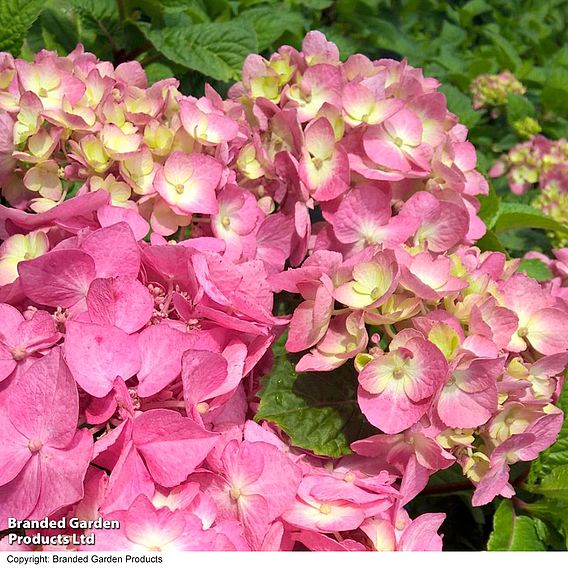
column 318, row 411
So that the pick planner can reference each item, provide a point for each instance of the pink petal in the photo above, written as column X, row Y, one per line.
column 62, row 474
column 318, row 542
column 364, row 208
column 422, row 533
column 279, row 480
column 309, row 322
column 76, row 212
column 110, row 215
column 122, row 301
column 386, row 154
column 172, row 446
column 203, row 375
column 14, row 451
column 459, row 409
column 97, row 354
column 129, row 479
column 342, row 517
column 114, row 250
column 58, row 278
column 548, row 331
column 406, row 125
column 19, row 497
column 491, row 485
column 44, row 403
column 161, row 350
column 7, row 362
column 143, row 520
column 391, row 411
column 443, row 224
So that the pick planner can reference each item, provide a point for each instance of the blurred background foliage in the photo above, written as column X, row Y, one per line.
column 201, row 41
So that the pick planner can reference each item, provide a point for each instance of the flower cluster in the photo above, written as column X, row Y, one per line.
column 73, row 125
column 459, row 358
column 346, row 140
column 130, row 365
column 129, row 371
column 490, row 91
column 539, row 163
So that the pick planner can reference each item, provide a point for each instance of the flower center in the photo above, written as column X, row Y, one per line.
column 226, row 221
column 349, row 477
column 376, row 293
column 202, row 407
column 19, row 353
column 325, row 509
column 42, row 92
column 523, row 332
column 235, row 493
column 398, row 373
column 179, row 188
column 398, row 141
column 35, row 445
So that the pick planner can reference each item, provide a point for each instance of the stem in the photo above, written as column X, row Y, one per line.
column 164, row 404
column 121, row 10
column 150, row 58
column 168, row 300
column 519, row 503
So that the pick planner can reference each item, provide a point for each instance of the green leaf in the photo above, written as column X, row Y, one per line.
column 535, row 268
column 490, row 205
column 554, row 94
column 512, row 532
column 554, row 514
column 521, row 241
column 490, row 241
column 451, row 35
column 555, row 484
column 58, row 30
column 507, row 55
column 270, row 23
column 100, row 26
column 519, row 215
column 550, row 534
column 315, row 4
column 557, row 455
column 318, row 411
column 460, row 104
column 217, row 50
column 16, row 18
column 473, row 8
column 388, row 36
column 518, row 107
column 157, row 71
